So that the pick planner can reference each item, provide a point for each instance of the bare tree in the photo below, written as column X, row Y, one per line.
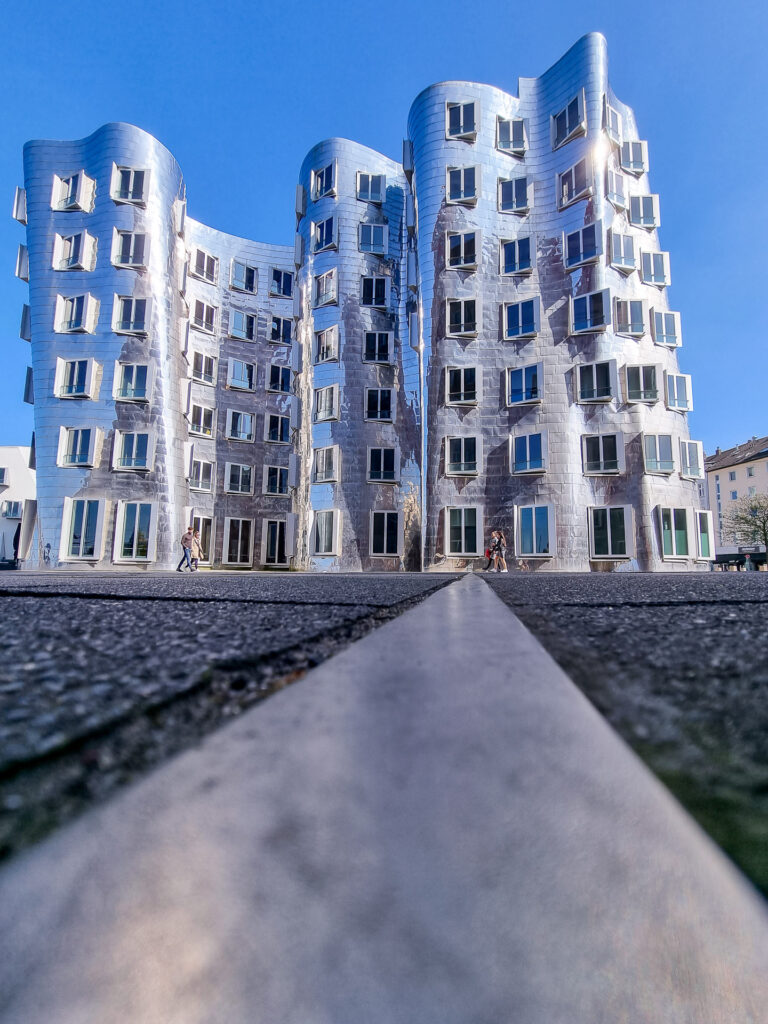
column 748, row 520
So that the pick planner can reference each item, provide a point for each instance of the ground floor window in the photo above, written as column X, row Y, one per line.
column 385, row 533
column 82, row 528
column 135, row 530
column 325, row 540
column 611, row 532
column 205, row 525
column 238, row 541
column 535, row 530
column 674, row 532
column 704, row 533
column 462, row 529
column 275, row 549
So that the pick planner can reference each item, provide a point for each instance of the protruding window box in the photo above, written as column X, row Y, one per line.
column 461, row 121
column 603, row 454
column 634, row 157
column 462, row 185
column 591, row 312
column 583, row 246
column 525, row 384
column 521, row 319
column 462, row 318
column 511, row 135
column 515, row 257
column 642, row 384
column 528, row 453
column 611, row 532
column 462, row 456
column 657, row 454
column 597, row 382
column 461, row 385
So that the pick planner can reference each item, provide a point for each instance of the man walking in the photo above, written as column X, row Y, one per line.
column 186, row 547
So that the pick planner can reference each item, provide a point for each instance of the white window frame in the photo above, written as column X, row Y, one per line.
column 616, row 189
column 117, row 448
column 117, row 382
column 206, row 361
column 231, row 413
column 285, row 374
column 515, row 242
column 567, row 192
column 612, row 125
column 686, row 471
column 399, row 518
column 89, row 384
column 573, row 129
column 535, row 398
column 66, row 529
column 465, row 264
column 586, row 255
column 133, row 325
column 648, row 467
column 94, row 443
column 131, row 263
column 629, row 533
column 275, row 293
column 647, row 274
column 368, row 195
column 327, row 345
column 698, row 514
column 247, row 267
column 466, row 330
column 671, row 389
column 151, row 536
column 64, row 198
column 603, row 469
column 325, row 290
column 462, row 370
column 675, row 555
column 371, row 246
column 228, row 467
column 204, row 409
column 514, row 150
column 392, row 405
column 336, row 521
column 323, row 236
column 617, row 254
column 613, row 377
column 336, row 474
column 325, row 404
column 628, row 162
column 320, row 188
column 286, row 522
column 644, row 397
column 526, row 468
column 464, row 132
column 197, row 524
column 524, row 331
column 590, row 328
column 551, row 531
column 395, row 467
column 278, row 322
column 463, row 199
column 203, row 273
column 659, row 338
column 115, row 190
column 479, row 533
column 235, row 382
column 390, row 348
column 640, row 221
column 90, row 315
column 228, row 520
column 624, row 317
column 375, row 277
column 242, row 325
column 87, row 254
column 265, row 481
column 478, row 460
column 516, row 210
column 196, row 479
column 279, row 416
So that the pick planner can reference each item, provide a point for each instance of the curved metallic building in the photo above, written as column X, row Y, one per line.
column 478, row 337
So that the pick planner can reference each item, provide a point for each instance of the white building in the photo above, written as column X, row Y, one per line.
column 17, row 499
column 733, row 474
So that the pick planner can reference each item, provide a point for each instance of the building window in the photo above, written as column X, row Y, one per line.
column 750, row 470
column 734, row 495
column 75, row 382
column 513, row 195
column 325, row 539
column 461, row 385
column 611, row 122
column 279, row 379
column 201, row 477
column 597, row 381
column 385, row 533
column 201, row 421
column 528, row 453
column 462, row 527
column 241, row 325
column 732, row 475
column 462, row 249
column 132, row 382
column 642, row 384
column 610, row 532
column 666, row 328
column 132, row 451
column 74, row 252
column 238, row 479
column 323, row 235
column 275, row 480
column 76, row 314
column 535, row 528
column 373, row 238
column 654, row 268
column 130, row 185
column 524, row 384
column 460, row 121
column 375, row 292
column 278, row 429
column 203, row 368
column 83, row 529
column 205, row 266
column 325, row 288
column 135, row 533
column 75, row 192
column 521, row 319
column 281, row 332
column 634, row 157
column 327, row 403
column 583, row 246
column 679, row 392
column 377, row 347
column 130, row 249
column 205, row 526
column 516, row 256
column 241, row 375
column 591, row 312
column 574, row 184
column 326, row 464
column 378, row 404
column 78, row 447
column 238, row 541
column 674, row 532
column 130, row 315
column 281, row 284
column 462, row 317
column 615, row 189
column 204, row 318
column 12, row 509
column 274, row 542
column 324, row 182
column 603, row 453
column 644, row 211
column 704, row 532
column 461, row 456
column 569, row 122
column 245, row 278
column 463, row 185
column 510, row 135
column 381, row 465
column 371, row 188
column 623, row 253
column 657, row 453
column 240, row 425
column 692, row 460
column 326, row 345
column 630, row 317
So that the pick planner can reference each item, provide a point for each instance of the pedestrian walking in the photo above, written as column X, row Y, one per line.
column 186, row 547
column 197, row 550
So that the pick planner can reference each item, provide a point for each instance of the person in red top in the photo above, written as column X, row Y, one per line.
column 186, row 547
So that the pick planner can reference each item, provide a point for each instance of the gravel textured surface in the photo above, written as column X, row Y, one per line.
column 103, row 677
column 678, row 665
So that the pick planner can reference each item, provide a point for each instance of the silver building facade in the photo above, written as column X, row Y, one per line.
column 478, row 337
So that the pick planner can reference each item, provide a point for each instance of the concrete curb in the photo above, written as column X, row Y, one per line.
column 434, row 827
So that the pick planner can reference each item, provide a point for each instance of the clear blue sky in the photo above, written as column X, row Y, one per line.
column 239, row 91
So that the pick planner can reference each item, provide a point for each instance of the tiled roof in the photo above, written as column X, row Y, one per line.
column 755, row 449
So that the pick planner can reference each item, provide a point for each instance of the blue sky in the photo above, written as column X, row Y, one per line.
column 239, row 91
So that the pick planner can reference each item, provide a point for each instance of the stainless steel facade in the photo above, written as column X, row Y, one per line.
column 478, row 337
